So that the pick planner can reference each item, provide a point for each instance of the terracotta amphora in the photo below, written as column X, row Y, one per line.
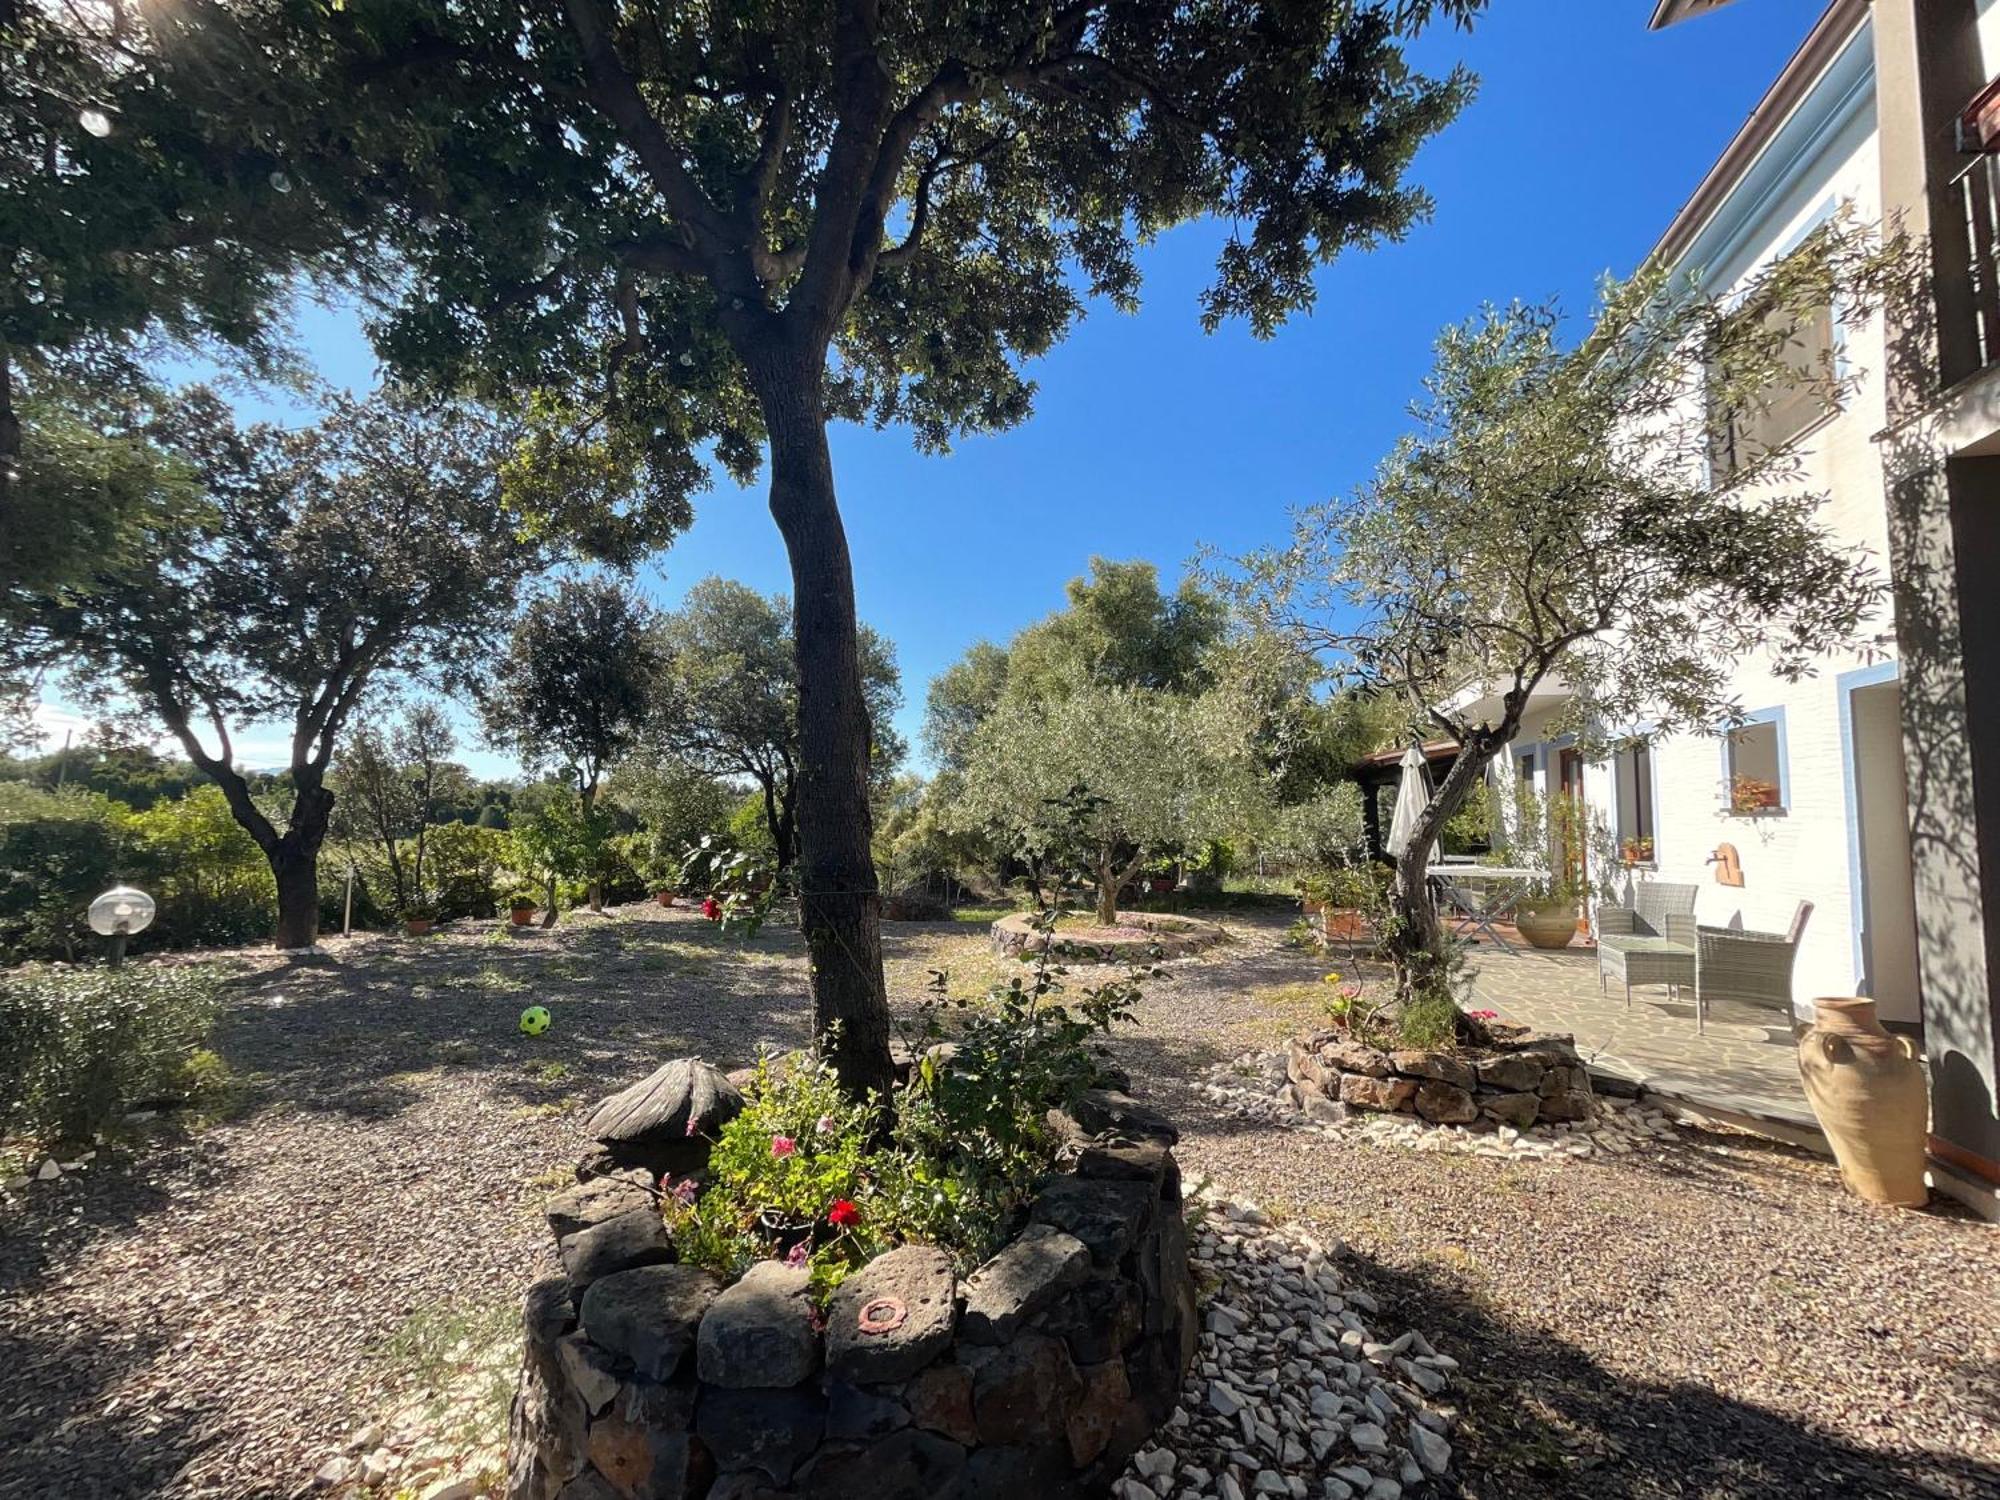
column 1867, row 1088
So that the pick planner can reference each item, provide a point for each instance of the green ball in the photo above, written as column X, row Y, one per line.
column 535, row 1020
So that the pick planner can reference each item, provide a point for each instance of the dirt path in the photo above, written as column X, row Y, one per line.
column 215, row 1316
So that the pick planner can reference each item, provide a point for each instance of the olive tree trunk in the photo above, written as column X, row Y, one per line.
column 839, row 903
column 1416, row 940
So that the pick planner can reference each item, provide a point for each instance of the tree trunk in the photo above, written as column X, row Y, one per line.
column 295, row 865
column 780, row 821
column 1417, row 942
column 839, row 904
column 1107, row 895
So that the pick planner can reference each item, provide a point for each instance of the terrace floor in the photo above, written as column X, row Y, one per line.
column 1743, row 1064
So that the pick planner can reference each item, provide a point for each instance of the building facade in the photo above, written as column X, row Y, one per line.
column 1872, row 790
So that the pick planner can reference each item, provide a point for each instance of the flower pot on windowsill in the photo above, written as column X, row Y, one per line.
column 1549, row 924
column 1636, row 851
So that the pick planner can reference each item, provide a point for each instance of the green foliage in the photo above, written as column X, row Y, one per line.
column 573, row 691
column 728, row 702
column 211, row 881
column 80, row 1048
column 57, row 852
column 1428, row 1020
column 1114, row 777
column 965, row 1142
column 1322, row 835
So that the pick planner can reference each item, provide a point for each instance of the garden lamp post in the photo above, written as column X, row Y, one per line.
column 117, row 914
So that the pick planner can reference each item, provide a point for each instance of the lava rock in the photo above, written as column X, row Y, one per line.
column 1020, row 1281
column 892, row 1317
column 759, row 1332
column 1106, row 1216
column 1445, row 1103
column 649, row 1315
column 633, row 1239
column 598, row 1200
column 774, row 1431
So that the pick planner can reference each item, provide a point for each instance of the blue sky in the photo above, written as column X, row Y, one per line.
column 1150, row 438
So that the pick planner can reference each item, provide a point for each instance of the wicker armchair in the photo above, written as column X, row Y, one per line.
column 1753, row 967
column 1649, row 942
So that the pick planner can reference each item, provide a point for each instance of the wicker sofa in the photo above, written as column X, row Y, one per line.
column 1652, row 941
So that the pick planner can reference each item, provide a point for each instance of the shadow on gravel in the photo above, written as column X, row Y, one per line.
column 59, row 1440
column 361, row 1036
column 1545, row 1420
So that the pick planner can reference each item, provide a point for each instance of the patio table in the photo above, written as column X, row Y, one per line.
column 1490, row 906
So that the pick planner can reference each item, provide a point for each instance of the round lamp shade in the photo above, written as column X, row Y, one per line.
column 121, row 909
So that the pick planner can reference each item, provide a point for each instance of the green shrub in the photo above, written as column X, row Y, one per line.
column 213, row 884
column 58, row 850
column 79, row 1048
column 1428, row 1019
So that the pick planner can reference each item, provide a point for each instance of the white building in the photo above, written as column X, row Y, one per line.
column 1871, row 791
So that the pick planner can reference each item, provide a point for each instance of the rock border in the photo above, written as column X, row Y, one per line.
column 1040, row 1374
column 1519, row 1081
column 1167, row 935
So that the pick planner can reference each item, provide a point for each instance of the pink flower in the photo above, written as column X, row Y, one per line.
column 1484, row 1015
column 783, row 1145
column 825, row 1125
column 796, row 1256
column 686, row 1190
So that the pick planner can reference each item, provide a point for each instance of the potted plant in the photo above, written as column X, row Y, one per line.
column 1577, row 851
column 419, row 916
column 1636, row 851
column 522, row 906
column 1748, row 794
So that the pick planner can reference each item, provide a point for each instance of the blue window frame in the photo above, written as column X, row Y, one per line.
column 1756, row 771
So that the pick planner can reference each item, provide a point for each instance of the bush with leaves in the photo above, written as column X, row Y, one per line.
column 806, row 1174
column 80, row 1048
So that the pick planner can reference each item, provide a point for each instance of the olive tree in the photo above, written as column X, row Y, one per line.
column 712, row 229
column 1136, row 774
column 1599, row 515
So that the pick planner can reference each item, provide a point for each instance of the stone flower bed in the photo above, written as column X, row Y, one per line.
column 1520, row 1080
column 1038, row 1374
column 1138, row 936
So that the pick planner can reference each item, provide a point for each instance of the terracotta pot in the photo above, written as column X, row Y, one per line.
column 521, row 916
column 1867, row 1088
column 418, row 926
column 665, row 898
column 1546, row 926
column 1162, row 885
column 1346, row 922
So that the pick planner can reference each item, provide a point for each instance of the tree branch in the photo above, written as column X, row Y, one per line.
column 617, row 93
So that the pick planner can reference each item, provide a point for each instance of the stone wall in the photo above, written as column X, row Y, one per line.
column 1038, row 1375
column 1521, row 1081
column 1139, row 935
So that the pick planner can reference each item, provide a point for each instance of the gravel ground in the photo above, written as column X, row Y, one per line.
column 213, row 1314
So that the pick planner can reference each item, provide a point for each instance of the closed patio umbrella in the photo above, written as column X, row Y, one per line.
column 1413, row 795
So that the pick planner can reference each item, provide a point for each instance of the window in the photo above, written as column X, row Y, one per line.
column 1526, row 766
column 1753, row 762
column 1632, row 771
column 1752, row 428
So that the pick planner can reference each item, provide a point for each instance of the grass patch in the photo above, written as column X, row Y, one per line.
column 494, row 982
column 457, row 1360
column 983, row 916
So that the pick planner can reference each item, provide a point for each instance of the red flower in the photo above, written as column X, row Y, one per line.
column 783, row 1145
column 711, row 908
column 843, row 1214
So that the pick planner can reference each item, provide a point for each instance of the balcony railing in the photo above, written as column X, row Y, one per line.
column 1978, row 193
